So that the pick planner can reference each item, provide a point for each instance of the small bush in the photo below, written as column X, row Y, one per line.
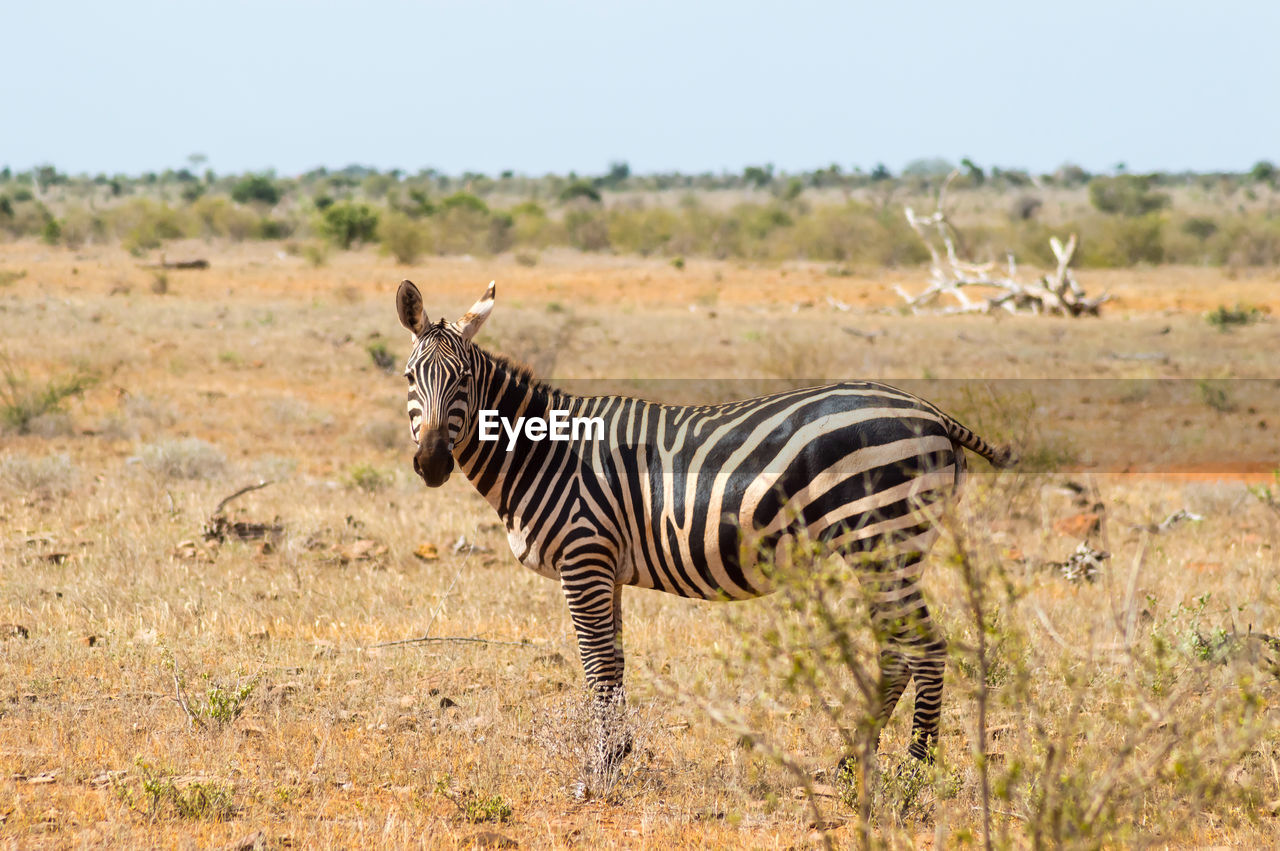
column 580, row 189
column 1200, row 227
column 382, row 357
column 462, row 229
column 256, row 187
column 485, row 808
column 218, row 217
column 221, row 704
column 476, row 807
column 1225, row 318
column 51, row 474
column 369, row 478
column 346, row 223
column 1216, row 394
column 190, row 458
column 1126, row 242
column 464, row 201
column 163, row 793
column 1126, row 195
column 23, row 401
column 51, row 234
column 403, row 238
column 315, row 253
column 269, row 228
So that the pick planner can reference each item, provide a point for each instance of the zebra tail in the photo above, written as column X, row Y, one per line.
column 999, row 456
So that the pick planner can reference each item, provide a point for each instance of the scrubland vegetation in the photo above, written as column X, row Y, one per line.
column 852, row 219
column 161, row 685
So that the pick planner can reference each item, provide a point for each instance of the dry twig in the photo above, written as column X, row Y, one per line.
column 1056, row 294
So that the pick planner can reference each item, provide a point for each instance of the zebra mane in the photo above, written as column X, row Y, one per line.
column 523, row 374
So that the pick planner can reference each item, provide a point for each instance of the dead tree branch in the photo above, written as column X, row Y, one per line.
column 1054, row 294
column 219, row 528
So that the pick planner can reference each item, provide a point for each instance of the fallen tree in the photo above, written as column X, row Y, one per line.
column 1054, row 294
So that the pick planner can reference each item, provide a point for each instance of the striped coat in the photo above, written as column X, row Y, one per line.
column 701, row 501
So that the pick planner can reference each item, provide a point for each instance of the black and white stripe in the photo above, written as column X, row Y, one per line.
column 701, row 501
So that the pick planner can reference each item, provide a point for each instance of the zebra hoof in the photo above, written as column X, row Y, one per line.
column 618, row 752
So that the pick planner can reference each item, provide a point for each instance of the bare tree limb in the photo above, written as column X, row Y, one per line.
column 1055, row 294
column 244, row 490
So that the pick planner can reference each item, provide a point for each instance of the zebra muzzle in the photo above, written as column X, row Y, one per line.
column 434, row 459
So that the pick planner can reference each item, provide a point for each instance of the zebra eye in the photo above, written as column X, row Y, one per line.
column 410, row 377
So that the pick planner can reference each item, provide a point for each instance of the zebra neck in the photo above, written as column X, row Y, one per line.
column 496, row 467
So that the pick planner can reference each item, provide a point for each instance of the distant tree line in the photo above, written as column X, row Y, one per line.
column 850, row 217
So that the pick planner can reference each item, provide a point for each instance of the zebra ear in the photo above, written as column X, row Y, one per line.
column 471, row 321
column 409, row 306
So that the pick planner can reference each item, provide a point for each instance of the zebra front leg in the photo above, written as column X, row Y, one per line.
column 595, row 604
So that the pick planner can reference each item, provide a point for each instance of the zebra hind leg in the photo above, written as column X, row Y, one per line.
column 927, row 670
column 913, row 648
column 902, row 619
column 895, row 673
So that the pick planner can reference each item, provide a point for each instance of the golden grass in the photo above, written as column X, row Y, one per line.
column 342, row 744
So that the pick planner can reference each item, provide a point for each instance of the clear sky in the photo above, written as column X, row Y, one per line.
column 131, row 86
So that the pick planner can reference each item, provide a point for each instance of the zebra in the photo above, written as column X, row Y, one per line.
column 663, row 500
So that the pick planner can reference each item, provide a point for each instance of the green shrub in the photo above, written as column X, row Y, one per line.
column 420, row 205
column 580, row 189
column 479, row 808
column 219, row 217
column 532, row 227
column 24, row 401
column 1201, row 227
column 256, row 187
column 1126, row 195
column 1125, row 242
column 51, row 233
column 381, row 356
column 1246, row 241
column 1216, row 394
column 80, row 225
column 162, row 792
column 1225, row 318
column 642, row 231
column 346, row 222
column 403, row 238
column 269, row 228
column 369, row 478
column 143, row 224
column 461, row 228
column 464, row 201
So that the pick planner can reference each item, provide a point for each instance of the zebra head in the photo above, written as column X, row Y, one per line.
column 440, row 380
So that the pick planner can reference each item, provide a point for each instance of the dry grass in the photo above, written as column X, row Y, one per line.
column 343, row 744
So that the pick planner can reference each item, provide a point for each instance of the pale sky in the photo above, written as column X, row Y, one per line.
column 131, row 86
